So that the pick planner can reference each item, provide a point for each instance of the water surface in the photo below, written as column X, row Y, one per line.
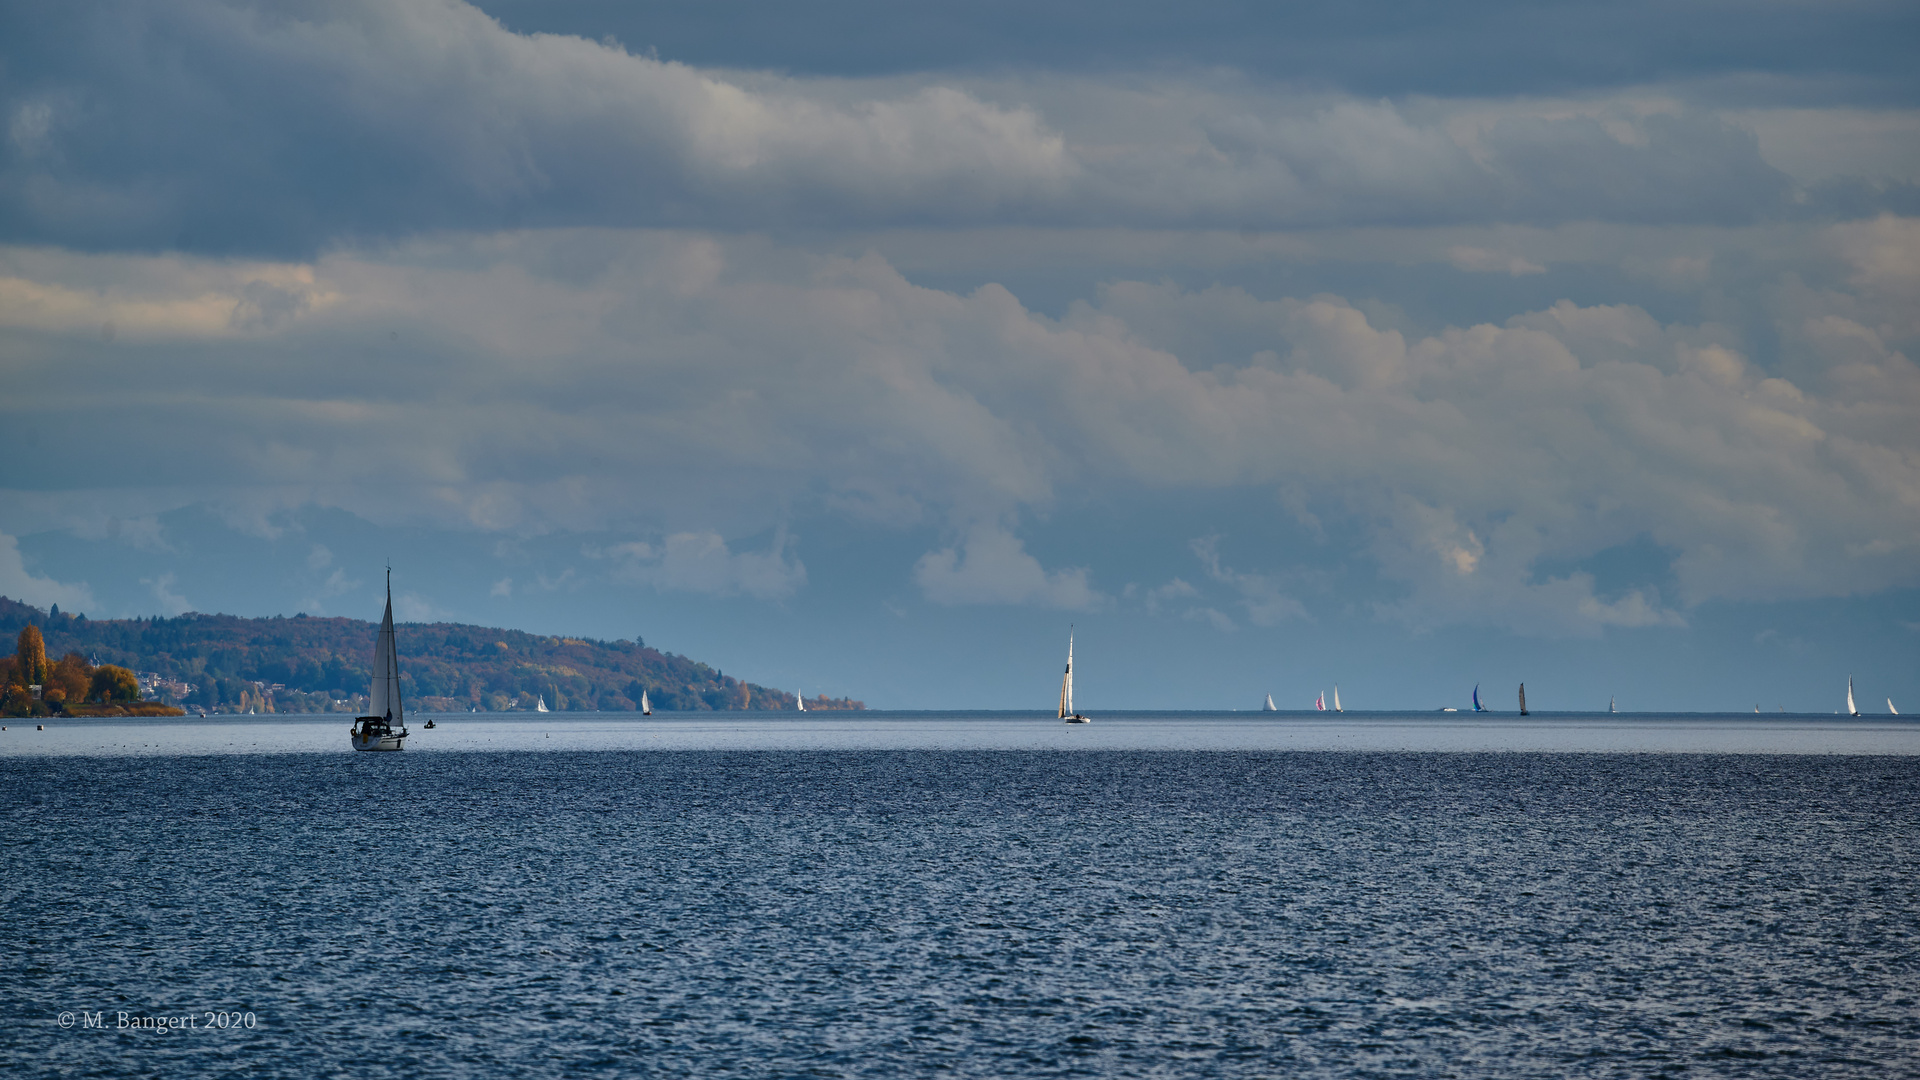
column 891, row 896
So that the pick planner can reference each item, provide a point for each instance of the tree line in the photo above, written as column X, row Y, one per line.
column 31, row 685
column 316, row 664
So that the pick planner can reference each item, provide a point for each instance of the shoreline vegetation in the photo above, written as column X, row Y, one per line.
column 311, row 664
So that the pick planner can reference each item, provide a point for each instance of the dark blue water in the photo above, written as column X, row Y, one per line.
column 909, row 913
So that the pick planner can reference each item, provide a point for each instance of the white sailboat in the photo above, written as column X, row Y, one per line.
column 1891, row 709
column 540, row 703
column 1610, row 707
column 1270, row 707
column 1336, row 698
column 646, row 707
column 385, row 725
column 800, row 701
column 1067, row 715
column 1851, row 710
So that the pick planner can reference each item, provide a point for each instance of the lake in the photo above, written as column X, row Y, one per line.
column 879, row 895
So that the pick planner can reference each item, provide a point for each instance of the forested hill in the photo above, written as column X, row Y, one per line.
column 310, row 664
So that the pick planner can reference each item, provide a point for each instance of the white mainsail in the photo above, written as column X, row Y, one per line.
column 384, row 699
column 540, row 703
column 1270, row 707
column 800, row 701
column 1066, row 682
column 1336, row 698
column 1851, row 711
column 646, row 708
column 1891, row 709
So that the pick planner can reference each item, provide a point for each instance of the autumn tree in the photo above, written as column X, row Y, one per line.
column 30, row 657
column 71, row 679
column 114, row 683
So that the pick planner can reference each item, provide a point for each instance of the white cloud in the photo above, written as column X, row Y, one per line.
column 1265, row 602
column 691, row 386
column 415, row 608
column 503, row 587
column 171, row 602
column 28, row 588
column 991, row 566
column 700, row 562
column 461, row 123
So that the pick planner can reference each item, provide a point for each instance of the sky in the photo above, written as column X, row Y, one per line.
column 864, row 349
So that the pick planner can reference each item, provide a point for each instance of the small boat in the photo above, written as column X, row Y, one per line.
column 1270, row 707
column 1320, row 702
column 385, row 725
column 1336, row 698
column 1611, row 709
column 1851, row 710
column 1448, row 708
column 800, row 701
column 646, row 707
column 540, row 703
column 1067, row 715
column 1477, row 707
column 429, row 724
column 1523, row 699
column 1756, row 707
column 1891, row 709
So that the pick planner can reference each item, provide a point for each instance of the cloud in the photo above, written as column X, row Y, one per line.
column 694, row 386
column 503, row 587
column 1476, row 260
column 171, row 603
column 415, row 608
column 28, row 588
column 991, row 566
column 1265, row 602
column 240, row 128
column 700, row 562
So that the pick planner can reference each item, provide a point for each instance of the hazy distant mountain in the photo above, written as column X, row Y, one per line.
column 309, row 664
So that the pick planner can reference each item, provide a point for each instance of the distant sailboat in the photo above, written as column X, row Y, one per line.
column 1610, row 707
column 1851, row 710
column 1523, row 699
column 646, row 707
column 1336, row 698
column 376, row 730
column 1891, row 709
column 800, row 701
column 1477, row 707
column 1067, row 715
column 1270, row 707
column 1321, row 701
column 540, row 703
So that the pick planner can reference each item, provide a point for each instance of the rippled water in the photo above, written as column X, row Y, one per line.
column 971, row 912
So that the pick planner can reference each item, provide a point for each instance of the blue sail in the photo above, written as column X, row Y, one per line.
column 1477, row 707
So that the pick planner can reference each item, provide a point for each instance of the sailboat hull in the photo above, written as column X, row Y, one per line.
column 379, row 742
column 1078, row 720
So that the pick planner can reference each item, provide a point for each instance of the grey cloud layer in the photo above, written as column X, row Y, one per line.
column 225, row 126
column 686, row 388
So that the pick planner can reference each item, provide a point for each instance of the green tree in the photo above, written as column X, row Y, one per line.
column 30, row 657
column 114, row 683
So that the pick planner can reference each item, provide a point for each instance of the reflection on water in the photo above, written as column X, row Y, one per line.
column 1408, row 732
